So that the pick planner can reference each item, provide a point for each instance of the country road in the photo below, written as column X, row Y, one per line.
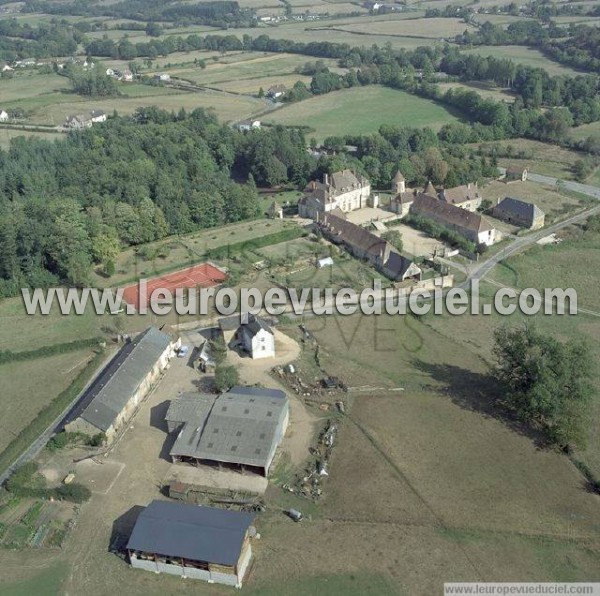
column 585, row 189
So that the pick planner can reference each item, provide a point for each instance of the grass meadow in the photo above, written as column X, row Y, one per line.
column 360, row 110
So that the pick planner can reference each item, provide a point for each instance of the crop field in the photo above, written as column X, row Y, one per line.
column 24, row 393
column 524, row 55
column 361, row 110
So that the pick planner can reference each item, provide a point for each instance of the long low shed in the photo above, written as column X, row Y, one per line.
column 192, row 541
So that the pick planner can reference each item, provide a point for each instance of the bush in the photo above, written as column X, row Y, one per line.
column 225, row 377
column 75, row 493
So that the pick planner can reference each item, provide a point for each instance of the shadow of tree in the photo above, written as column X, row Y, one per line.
column 477, row 392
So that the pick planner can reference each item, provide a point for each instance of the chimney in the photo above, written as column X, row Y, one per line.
column 326, row 178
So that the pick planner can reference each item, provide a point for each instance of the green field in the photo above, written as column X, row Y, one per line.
column 47, row 99
column 586, row 130
column 7, row 134
column 524, row 55
column 361, row 110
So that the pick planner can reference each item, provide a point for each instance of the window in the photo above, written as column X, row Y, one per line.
column 234, row 448
column 238, row 433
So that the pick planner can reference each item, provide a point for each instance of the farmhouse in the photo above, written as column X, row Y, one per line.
column 519, row 213
column 276, row 91
column 98, row 116
column 112, row 398
column 192, row 541
column 254, row 334
column 466, row 196
column 471, row 225
column 3, row 115
column 344, row 190
column 241, row 428
column 257, row 338
column 162, row 77
column 365, row 245
column 245, row 125
column 78, row 122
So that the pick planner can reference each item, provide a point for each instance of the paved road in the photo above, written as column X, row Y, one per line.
column 586, row 189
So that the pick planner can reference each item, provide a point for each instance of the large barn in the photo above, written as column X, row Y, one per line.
column 112, row 398
column 241, row 428
column 192, row 541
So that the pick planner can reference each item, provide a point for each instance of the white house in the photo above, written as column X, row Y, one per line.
column 344, row 190
column 163, row 77
column 257, row 338
column 244, row 125
column 3, row 115
column 98, row 116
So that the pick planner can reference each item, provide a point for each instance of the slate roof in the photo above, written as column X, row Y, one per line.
column 106, row 397
column 240, row 427
column 519, row 209
column 190, row 407
column 459, row 194
column 398, row 177
column 337, row 184
column 254, row 325
column 397, row 264
column 430, row 190
column 190, row 531
column 352, row 234
column 450, row 214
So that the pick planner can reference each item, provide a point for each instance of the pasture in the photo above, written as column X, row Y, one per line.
column 435, row 28
column 8, row 134
column 47, row 99
column 360, row 110
column 539, row 157
column 29, row 386
column 586, row 130
column 524, row 55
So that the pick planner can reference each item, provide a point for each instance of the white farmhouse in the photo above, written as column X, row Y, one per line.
column 257, row 338
column 3, row 115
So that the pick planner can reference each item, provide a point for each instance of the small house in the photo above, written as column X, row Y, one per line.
column 257, row 338
column 3, row 116
column 276, row 91
column 162, row 77
column 325, row 262
column 245, row 125
column 98, row 116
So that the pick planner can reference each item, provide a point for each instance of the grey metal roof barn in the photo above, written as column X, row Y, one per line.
column 112, row 389
column 191, row 531
column 243, row 426
column 262, row 391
